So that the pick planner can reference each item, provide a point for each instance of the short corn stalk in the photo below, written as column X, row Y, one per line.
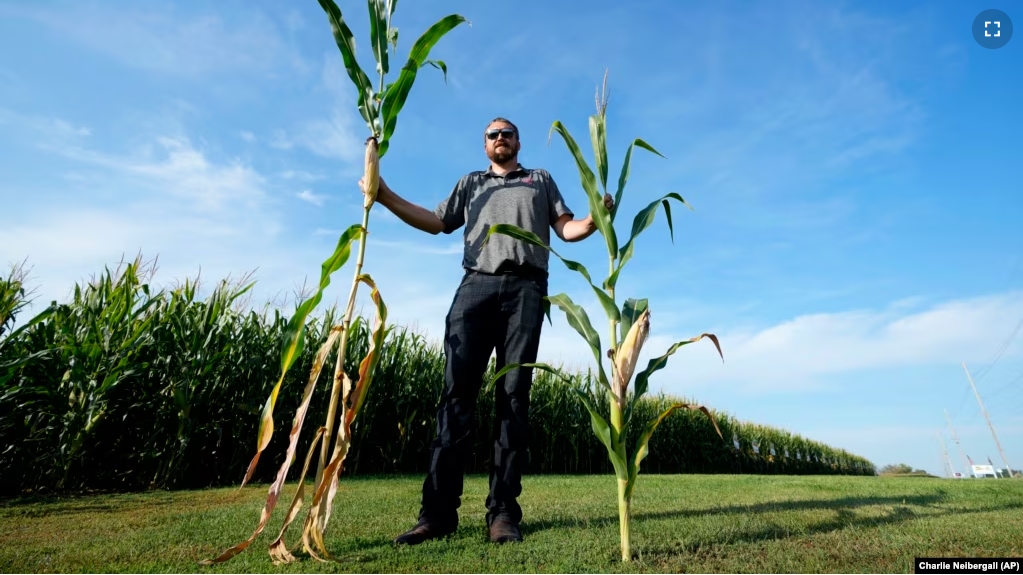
column 629, row 325
column 380, row 109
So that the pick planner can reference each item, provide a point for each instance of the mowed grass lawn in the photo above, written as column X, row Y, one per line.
column 682, row 523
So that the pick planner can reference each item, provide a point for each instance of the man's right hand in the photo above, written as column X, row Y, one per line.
column 412, row 214
column 382, row 188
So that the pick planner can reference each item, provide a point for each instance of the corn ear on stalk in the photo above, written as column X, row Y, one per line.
column 371, row 173
column 628, row 354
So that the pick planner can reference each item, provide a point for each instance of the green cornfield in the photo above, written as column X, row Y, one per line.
column 125, row 387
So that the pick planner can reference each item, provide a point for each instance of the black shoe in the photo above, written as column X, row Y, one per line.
column 504, row 530
column 423, row 531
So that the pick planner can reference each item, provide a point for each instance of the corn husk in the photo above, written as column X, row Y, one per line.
column 371, row 173
column 628, row 354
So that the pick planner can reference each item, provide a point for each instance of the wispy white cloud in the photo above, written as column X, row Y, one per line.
column 177, row 169
column 421, row 248
column 407, row 247
column 279, row 139
column 163, row 41
column 294, row 21
column 314, row 199
column 247, row 136
column 167, row 197
column 807, row 351
column 299, row 175
column 333, row 135
column 42, row 130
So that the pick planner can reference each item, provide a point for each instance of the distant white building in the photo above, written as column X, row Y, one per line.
column 982, row 471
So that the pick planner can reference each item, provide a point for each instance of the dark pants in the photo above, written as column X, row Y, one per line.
column 488, row 311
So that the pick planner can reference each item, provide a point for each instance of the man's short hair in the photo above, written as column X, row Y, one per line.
column 506, row 121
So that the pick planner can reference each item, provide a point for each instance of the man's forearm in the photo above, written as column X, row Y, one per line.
column 413, row 215
column 576, row 230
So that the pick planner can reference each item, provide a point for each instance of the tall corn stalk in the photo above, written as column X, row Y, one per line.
column 379, row 108
column 14, row 298
column 628, row 326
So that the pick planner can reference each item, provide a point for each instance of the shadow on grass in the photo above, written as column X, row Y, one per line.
column 841, row 503
column 49, row 505
column 360, row 549
column 802, row 505
column 365, row 548
column 845, row 518
column 901, row 510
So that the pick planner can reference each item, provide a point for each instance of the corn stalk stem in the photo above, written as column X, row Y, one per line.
column 377, row 124
column 612, row 322
column 617, row 422
column 623, row 482
column 624, row 515
column 387, row 46
column 335, row 392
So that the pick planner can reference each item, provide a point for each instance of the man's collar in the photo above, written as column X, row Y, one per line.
column 518, row 168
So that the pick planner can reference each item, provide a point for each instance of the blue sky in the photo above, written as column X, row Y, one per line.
column 854, row 170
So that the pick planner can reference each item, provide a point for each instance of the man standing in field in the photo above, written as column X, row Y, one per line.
column 498, row 304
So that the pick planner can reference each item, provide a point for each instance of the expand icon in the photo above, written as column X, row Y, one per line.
column 992, row 29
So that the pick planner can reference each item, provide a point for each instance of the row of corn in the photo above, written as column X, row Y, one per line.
column 128, row 387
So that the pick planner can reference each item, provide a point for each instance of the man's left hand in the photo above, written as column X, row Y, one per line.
column 609, row 202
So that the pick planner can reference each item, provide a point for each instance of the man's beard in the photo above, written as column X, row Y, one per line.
column 502, row 155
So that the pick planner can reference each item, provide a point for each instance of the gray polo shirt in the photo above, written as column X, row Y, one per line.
column 527, row 198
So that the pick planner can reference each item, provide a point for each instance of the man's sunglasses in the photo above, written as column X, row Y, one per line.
column 506, row 132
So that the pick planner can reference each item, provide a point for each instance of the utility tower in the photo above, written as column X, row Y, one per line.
column 988, row 419
column 955, row 438
column 949, row 470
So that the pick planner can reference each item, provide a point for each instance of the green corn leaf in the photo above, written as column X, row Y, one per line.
column 392, row 4
column 421, row 49
column 643, row 220
column 346, row 43
column 538, row 365
column 378, row 15
column 631, row 311
column 598, row 135
column 606, row 434
column 645, row 217
column 626, row 167
column 394, row 98
column 39, row 317
column 516, row 232
column 642, row 442
column 396, row 92
column 589, row 182
column 643, row 377
column 294, row 339
column 9, row 368
column 511, row 366
column 578, row 319
column 440, row 65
